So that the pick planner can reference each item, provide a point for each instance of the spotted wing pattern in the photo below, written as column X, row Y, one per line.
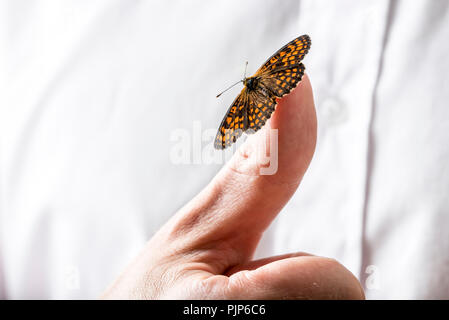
column 260, row 108
column 289, row 55
column 283, row 81
column 252, row 108
column 234, row 123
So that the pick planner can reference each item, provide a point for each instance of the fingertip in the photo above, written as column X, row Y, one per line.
column 296, row 124
column 293, row 127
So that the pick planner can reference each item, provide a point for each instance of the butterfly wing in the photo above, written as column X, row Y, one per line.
column 262, row 102
column 282, row 81
column 289, row 55
column 260, row 108
column 234, row 123
column 278, row 76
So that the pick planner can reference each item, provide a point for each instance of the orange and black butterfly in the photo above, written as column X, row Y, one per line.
column 278, row 76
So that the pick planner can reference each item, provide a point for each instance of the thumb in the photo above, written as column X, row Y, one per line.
column 241, row 201
column 294, row 125
column 205, row 250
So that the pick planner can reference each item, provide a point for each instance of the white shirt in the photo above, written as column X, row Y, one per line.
column 94, row 95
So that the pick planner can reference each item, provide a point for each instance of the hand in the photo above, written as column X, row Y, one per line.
column 205, row 250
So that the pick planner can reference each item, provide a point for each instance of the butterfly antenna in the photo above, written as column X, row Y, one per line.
column 246, row 66
column 229, row 88
column 244, row 77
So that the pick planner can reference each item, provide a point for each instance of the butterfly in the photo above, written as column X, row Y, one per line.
column 278, row 76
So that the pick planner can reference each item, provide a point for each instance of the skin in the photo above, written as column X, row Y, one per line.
column 205, row 250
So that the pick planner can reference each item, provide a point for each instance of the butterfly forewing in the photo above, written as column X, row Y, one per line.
column 234, row 123
column 290, row 54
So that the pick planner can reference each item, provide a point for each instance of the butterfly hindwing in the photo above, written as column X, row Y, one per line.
column 263, row 100
column 260, row 109
column 283, row 81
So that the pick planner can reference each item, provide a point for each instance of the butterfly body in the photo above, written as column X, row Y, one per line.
column 278, row 76
column 251, row 83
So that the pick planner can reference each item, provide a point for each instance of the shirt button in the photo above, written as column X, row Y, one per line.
column 333, row 111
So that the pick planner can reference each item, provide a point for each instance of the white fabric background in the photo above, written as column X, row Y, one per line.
column 91, row 92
